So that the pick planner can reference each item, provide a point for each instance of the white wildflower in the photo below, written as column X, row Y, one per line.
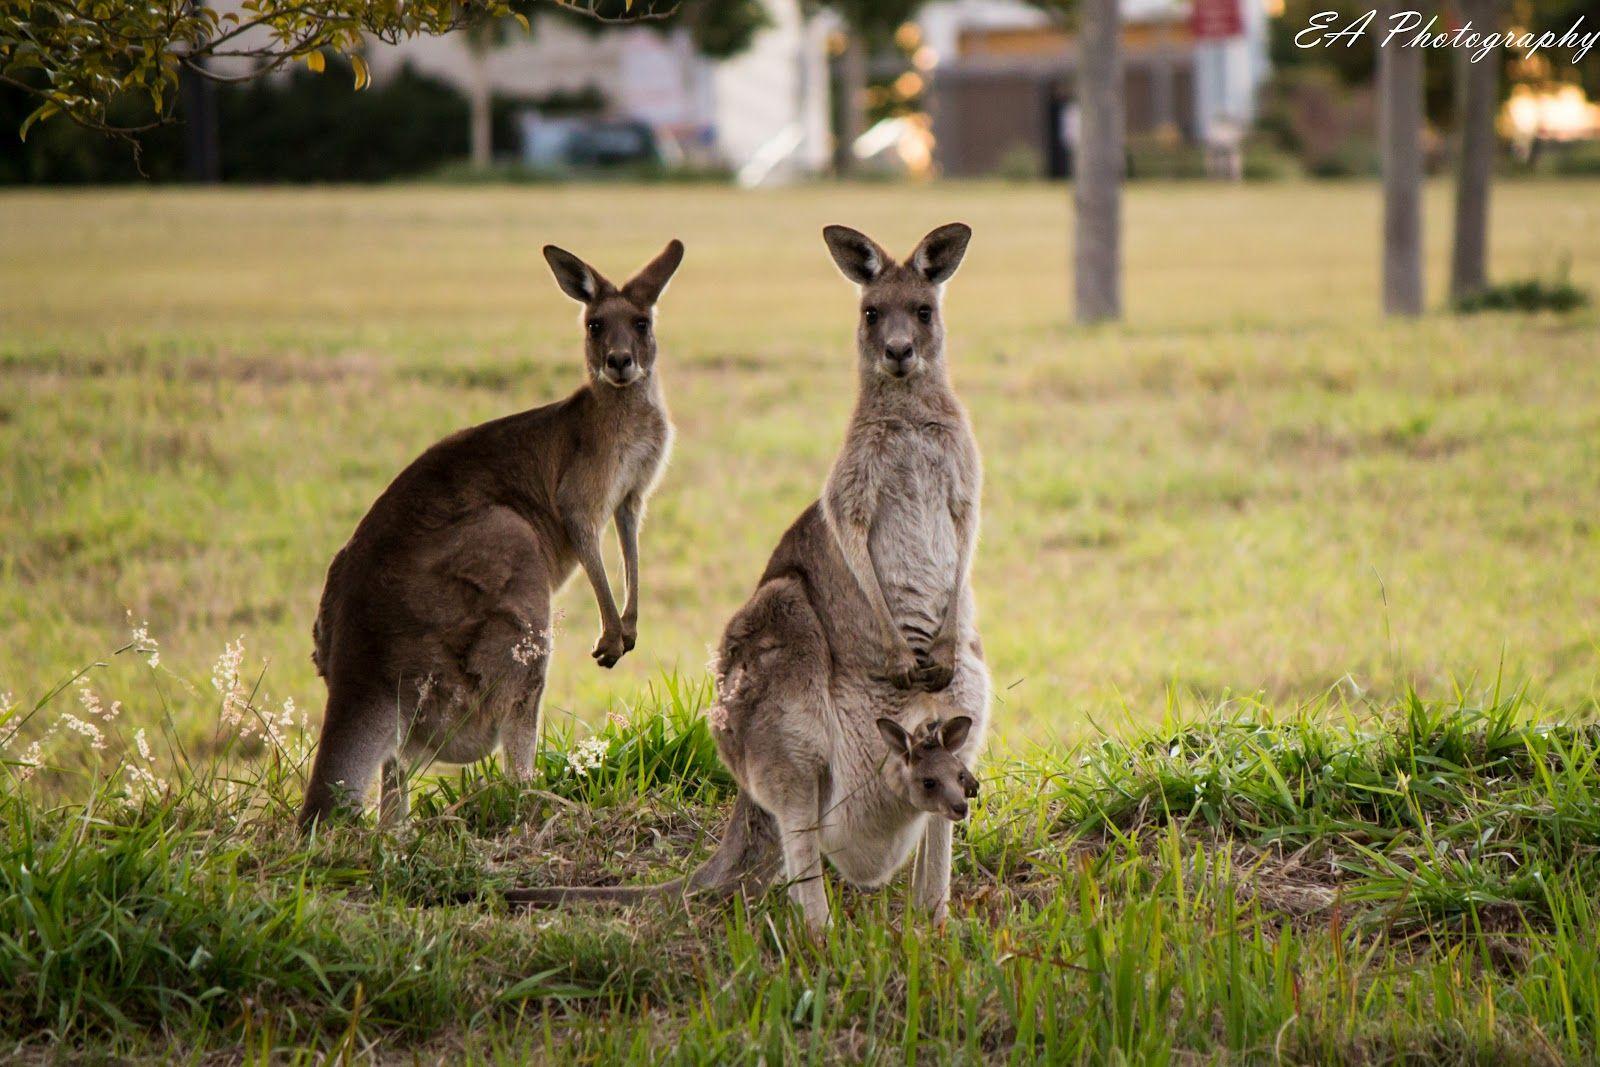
column 7, row 704
column 225, row 680
column 589, row 755
column 92, row 704
column 144, row 776
column 31, row 759
column 534, row 644
column 143, row 643
column 280, row 727
column 97, row 740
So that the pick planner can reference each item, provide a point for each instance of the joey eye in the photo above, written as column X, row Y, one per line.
column 594, row 327
column 925, row 313
column 930, row 784
column 642, row 325
column 871, row 315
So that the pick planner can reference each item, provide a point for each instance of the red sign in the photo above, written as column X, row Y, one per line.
column 1210, row 20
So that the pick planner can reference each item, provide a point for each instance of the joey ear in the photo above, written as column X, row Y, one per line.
column 895, row 737
column 646, row 287
column 577, row 279
column 858, row 256
column 955, row 733
column 939, row 254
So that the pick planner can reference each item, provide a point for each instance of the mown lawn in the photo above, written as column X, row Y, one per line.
column 1291, row 611
column 1254, row 485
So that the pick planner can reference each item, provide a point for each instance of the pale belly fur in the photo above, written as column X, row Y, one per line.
column 869, row 859
column 915, row 552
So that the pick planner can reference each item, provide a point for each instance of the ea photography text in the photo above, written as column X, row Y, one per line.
column 1414, row 29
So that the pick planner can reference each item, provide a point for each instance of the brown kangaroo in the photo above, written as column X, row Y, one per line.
column 861, row 630
column 434, row 630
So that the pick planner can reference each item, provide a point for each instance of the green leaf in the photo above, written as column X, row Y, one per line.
column 43, row 111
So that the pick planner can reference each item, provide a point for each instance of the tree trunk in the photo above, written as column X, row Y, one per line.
column 1400, row 133
column 197, row 103
column 852, row 102
column 202, row 154
column 1097, row 163
column 480, row 111
column 1479, row 92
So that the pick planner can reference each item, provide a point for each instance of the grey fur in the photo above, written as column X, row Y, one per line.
column 865, row 612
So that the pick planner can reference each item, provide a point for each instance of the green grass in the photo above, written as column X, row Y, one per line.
column 1254, row 565
column 1340, row 883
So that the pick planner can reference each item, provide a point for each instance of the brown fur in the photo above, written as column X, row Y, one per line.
column 434, row 630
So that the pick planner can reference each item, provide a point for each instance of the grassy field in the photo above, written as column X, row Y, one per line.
column 1255, row 485
column 1223, row 544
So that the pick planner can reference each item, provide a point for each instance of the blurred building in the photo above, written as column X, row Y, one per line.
column 763, row 113
column 1003, row 84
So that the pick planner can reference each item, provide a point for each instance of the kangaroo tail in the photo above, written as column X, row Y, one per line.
column 558, row 895
column 745, row 862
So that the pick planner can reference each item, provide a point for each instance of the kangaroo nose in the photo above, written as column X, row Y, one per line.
column 619, row 361
column 899, row 356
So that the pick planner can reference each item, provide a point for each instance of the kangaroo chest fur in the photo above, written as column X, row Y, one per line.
column 631, row 461
column 639, row 457
column 914, row 543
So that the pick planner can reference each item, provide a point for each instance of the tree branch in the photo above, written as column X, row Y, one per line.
column 88, row 55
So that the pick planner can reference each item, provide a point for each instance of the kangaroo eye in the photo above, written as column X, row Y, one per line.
column 642, row 325
column 925, row 313
column 594, row 327
column 930, row 784
column 871, row 315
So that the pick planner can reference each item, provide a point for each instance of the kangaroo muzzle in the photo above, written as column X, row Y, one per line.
column 621, row 368
column 899, row 358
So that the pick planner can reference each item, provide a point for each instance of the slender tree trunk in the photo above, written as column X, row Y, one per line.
column 1097, row 163
column 1400, row 133
column 480, row 111
column 852, row 102
column 1479, row 91
column 197, row 101
column 202, row 152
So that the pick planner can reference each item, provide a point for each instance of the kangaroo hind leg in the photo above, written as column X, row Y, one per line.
column 358, row 737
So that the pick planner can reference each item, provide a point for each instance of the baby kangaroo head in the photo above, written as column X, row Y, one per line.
column 925, row 767
column 619, row 324
column 900, row 333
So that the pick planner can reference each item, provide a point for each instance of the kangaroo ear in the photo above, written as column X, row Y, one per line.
column 577, row 279
column 895, row 737
column 955, row 733
column 857, row 255
column 939, row 254
column 646, row 287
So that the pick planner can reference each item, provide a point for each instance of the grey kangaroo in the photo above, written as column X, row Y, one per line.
column 861, row 630
column 434, row 630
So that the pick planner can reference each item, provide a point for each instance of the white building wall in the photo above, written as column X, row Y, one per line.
column 776, row 93
column 740, row 105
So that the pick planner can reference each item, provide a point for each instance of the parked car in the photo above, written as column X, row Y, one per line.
column 586, row 143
